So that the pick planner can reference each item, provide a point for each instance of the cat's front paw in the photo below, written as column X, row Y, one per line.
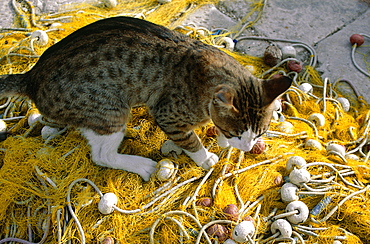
column 146, row 168
column 222, row 141
column 209, row 162
column 203, row 158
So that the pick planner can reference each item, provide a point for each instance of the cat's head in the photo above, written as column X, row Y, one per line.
column 244, row 114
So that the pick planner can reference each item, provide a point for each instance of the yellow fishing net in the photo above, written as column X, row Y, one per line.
column 45, row 181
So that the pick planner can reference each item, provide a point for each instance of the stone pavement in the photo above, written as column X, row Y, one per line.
column 325, row 25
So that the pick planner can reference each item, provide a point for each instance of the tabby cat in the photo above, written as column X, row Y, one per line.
column 91, row 79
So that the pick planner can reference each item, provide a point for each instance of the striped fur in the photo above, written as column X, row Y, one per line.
column 92, row 78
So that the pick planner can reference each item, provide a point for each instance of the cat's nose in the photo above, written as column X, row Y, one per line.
column 241, row 143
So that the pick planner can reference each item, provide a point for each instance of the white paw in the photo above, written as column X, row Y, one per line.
column 222, row 141
column 209, row 162
column 135, row 164
column 144, row 167
column 104, row 153
column 203, row 158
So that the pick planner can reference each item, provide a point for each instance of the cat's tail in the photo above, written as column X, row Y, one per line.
column 13, row 85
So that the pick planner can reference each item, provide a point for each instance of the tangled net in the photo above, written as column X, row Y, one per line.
column 51, row 190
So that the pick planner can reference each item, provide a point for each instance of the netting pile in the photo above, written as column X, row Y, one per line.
column 50, row 189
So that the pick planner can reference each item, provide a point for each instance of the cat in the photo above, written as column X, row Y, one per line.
column 92, row 78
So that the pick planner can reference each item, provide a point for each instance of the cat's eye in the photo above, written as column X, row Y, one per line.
column 230, row 135
column 235, row 135
column 259, row 135
column 227, row 134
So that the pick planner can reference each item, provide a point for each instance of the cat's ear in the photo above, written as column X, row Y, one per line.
column 274, row 87
column 224, row 96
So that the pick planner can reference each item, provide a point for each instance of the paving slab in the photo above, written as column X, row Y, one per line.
column 324, row 25
column 210, row 17
column 6, row 14
column 335, row 56
column 327, row 26
column 307, row 21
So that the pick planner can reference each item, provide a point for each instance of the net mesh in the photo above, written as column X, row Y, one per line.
column 36, row 175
